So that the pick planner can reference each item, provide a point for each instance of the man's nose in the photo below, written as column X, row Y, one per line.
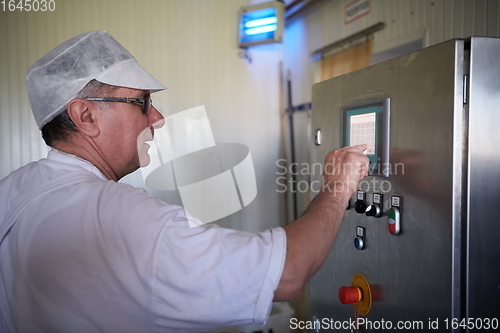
column 156, row 119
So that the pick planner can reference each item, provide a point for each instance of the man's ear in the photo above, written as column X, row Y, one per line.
column 83, row 114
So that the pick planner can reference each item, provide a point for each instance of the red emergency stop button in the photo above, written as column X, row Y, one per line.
column 359, row 293
column 350, row 295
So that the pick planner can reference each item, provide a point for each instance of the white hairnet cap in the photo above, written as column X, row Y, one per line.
column 58, row 77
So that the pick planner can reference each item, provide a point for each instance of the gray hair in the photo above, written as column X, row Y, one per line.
column 59, row 128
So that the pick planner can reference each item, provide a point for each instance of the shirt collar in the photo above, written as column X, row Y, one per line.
column 73, row 160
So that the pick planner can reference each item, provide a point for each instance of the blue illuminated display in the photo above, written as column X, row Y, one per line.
column 257, row 26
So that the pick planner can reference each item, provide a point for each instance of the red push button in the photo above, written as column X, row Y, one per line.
column 359, row 293
column 350, row 295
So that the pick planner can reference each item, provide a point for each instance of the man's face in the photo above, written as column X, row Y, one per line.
column 125, row 130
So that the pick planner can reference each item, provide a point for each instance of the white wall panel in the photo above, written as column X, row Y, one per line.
column 493, row 18
column 189, row 45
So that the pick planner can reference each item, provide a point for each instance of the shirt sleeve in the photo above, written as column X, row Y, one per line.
column 208, row 277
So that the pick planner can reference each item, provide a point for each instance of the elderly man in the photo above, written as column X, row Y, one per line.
column 80, row 252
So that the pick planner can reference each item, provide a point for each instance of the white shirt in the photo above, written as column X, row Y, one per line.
column 101, row 256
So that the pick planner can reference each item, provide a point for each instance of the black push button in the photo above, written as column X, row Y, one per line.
column 359, row 205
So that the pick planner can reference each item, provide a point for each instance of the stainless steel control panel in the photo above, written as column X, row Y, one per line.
column 423, row 234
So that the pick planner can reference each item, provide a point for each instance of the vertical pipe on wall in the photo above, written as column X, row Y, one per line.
column 293, row 170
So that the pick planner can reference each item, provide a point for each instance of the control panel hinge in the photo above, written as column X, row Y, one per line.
column 466, row 90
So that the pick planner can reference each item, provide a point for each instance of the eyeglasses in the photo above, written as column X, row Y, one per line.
column 145, row 102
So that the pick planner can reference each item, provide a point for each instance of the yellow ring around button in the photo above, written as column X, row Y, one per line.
column 364, row 306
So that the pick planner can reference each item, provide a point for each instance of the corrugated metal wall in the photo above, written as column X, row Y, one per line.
column 406, row 20
column 190, row 46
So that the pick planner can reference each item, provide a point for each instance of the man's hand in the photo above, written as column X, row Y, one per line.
column 344, row 169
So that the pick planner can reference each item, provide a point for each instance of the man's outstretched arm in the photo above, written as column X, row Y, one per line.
column 310, row 238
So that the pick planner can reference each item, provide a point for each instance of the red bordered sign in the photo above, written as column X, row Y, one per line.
column 356, row 9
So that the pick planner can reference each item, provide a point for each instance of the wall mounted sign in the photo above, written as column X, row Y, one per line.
column 356, row 9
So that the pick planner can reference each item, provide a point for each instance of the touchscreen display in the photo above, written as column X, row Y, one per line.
column 363, row 131
column 368, row 123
